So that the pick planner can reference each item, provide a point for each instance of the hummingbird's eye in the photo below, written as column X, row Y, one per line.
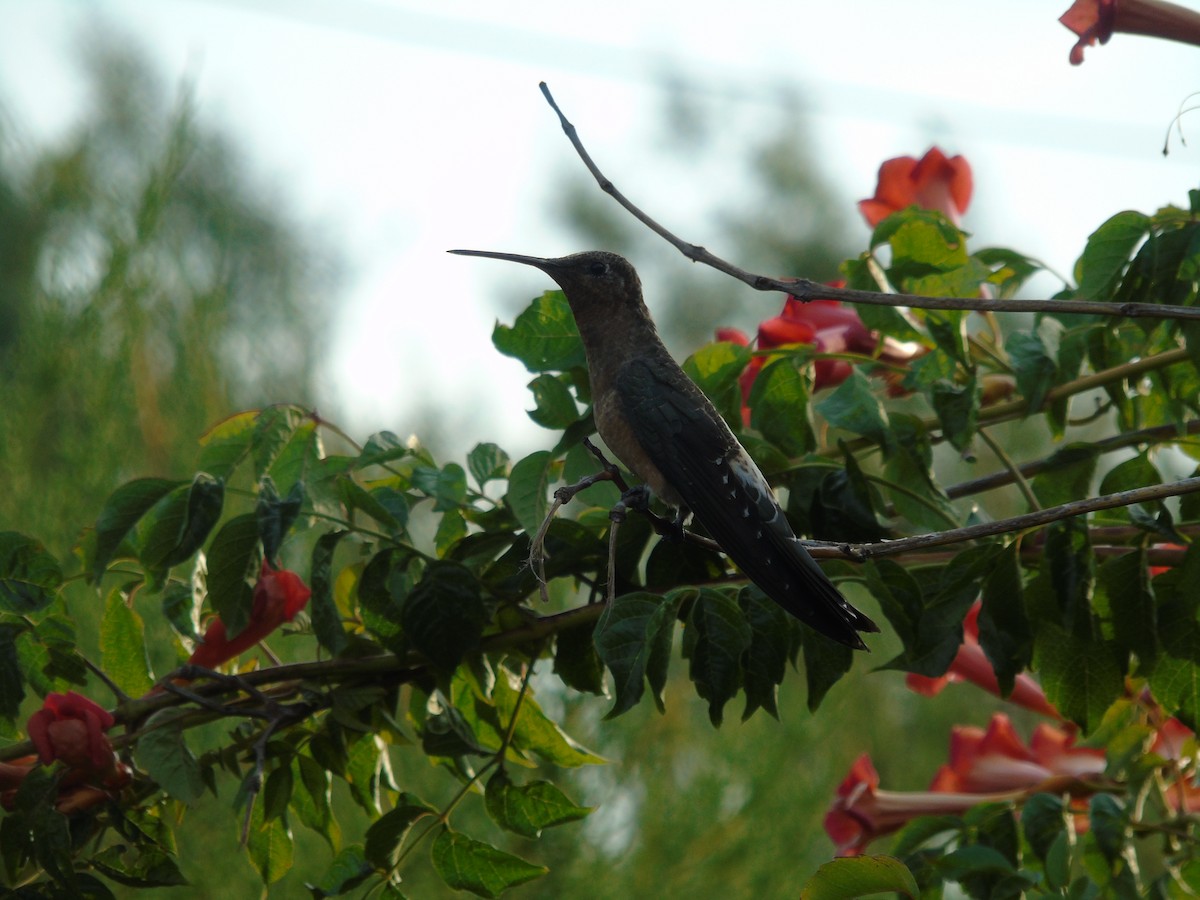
column 597, row 268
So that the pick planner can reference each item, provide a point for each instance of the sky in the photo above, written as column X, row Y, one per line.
column 398, row 133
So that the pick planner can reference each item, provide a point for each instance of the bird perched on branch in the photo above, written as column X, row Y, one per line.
column 662, row 427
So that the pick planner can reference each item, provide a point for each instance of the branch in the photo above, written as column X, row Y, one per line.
column 1155, row 435
column 806, row 289
column 858, row 552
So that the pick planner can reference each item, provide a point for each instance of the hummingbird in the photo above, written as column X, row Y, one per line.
column 667, row 432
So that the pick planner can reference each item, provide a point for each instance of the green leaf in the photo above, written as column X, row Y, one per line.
column 180, row 523
column 555, row 406
column 544, row 337
column 487, row 462
column 717, row 638
column 273, row 431
column 630, row 637
column 1123, row 592
column 276, row 514
column 853, row 406
column 121, row 511
column 444, row 614
column 382, row 588
column 466, row 864
column 326, row 619
column 224, row 445
column 12, row 681
column 233, row 561
column 141, row 867
column 843, row 879
column 270, row 846
column 825, row 662
column 311, row 796
column 528, row 808
column 534, row 730
column 347, row 871
column 29, row 575
column 779, row 406
column 1004, row 631
column 1110, row 825
column 715, row 368
column 918, row 500
column 772, row 638
column 1067, row 475
column 527, row 489
column 1033, row 367
column 387, row 833
column 163, row 753
column 451, row 529
column 576, row 661
column 1107, row 252
column 123, row 646
column 957, row 408
column 447, row 486
column 1042, row 821
column 1080, row 677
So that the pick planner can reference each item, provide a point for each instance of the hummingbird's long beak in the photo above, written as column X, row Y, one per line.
column 535, row 261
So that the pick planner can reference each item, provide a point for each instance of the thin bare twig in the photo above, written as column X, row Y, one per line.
column 806, row 289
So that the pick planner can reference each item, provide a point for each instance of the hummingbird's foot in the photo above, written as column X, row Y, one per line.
column 674, row 532
column 636, row 498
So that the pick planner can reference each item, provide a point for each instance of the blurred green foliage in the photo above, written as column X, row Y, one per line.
column 148, row 286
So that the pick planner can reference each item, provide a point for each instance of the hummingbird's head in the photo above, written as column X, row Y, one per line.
column 591, row 280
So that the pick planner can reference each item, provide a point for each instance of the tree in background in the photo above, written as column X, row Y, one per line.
column 148, row 287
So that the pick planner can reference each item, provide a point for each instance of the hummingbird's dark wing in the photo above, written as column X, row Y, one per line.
column 697, row 454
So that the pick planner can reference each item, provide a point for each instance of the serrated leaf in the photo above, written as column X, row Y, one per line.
column 957, row 408
column 843, row 879
column 123, row 646
column 444, row 614
column 276, row 515
column 1123, row 592
column 121, row 511
column 1033, row 367
column 534, row 730
column 29, row 575
column 779, row 406
column 853, row 406
column 714, row 644
column 825, row 662
column 772, row 635
column 312, row 785
column 466, row 864
column 141, row 867
column 1004, row 631
column 224, row 445
column 326, row 619
column 528, row 808
column 270, row 846
column 544, row 337
column 181, row 522
column 1080, row 677
column 447, row 485
column 629, row 635
column 163, row 753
